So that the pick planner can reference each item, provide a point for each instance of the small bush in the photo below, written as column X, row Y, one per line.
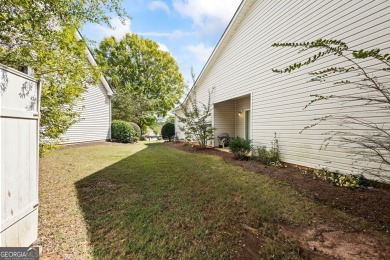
column 269, row 157
column 122, row 131
column 137, row 129
column 46, row 147
column 168, row 130
column 337, row 179
column 142, row 138
column 240, row 147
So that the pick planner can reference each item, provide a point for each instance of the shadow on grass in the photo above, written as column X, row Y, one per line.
column 141, row 207
column 164, row 203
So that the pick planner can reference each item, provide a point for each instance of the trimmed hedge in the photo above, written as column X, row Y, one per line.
column 136, row 128
column 122, row 131
column 168, row 130
column 240, row 147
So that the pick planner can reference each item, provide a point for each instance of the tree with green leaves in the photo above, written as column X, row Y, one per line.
column 365, row 72
column 62, row 90
column 170, row 119
column 147, row 80
column 131, row 107
column 31, row 26
column 41, row 34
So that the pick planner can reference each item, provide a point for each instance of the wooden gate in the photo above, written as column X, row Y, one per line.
column 19, row 158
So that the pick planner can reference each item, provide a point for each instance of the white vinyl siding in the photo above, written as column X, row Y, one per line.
column 244, row 61
column 224, row 119
column 94, row 124
column 178, row 132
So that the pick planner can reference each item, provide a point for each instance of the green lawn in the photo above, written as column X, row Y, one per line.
column 150, row 201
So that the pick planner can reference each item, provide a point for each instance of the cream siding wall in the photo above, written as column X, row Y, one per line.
column 224, row 119
column 95, row 117
column 178, row 132
column 227, row 118
column 244, row 62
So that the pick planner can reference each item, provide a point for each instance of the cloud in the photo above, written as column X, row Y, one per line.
column 154, row 34
column 208, row 16
column 200, row 51
column 163, row 47
column 174, row 35
column 177, row 34
column 119, row 30
column 155, row 5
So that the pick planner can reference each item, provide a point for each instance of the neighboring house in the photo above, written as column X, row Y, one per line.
column 150, row 134
column 95, row 117
column 251, row 101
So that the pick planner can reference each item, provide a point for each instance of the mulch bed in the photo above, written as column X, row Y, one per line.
column 373, row 205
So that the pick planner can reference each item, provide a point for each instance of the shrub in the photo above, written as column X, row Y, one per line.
column 122, row 131
column 269, row 157
column 137, row 129
column 240, row 147
column 196, row 120
column 168, row 130
column 337, row 179
column 142, row 138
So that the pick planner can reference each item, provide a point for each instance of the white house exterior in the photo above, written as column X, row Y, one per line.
column 251, row 101
column 95, row 116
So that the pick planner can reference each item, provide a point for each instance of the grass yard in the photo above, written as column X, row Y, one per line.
column 151, row 201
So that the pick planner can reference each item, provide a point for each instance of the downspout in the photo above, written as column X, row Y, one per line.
column 110, row 97
column 251, row 119
column 110, row 115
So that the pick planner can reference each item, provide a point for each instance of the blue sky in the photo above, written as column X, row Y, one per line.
column 188, row 29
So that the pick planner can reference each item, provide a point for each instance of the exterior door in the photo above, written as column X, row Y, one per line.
column 247, row 124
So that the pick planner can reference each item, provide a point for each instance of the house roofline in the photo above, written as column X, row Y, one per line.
column 241, row 12
column 92, row 61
